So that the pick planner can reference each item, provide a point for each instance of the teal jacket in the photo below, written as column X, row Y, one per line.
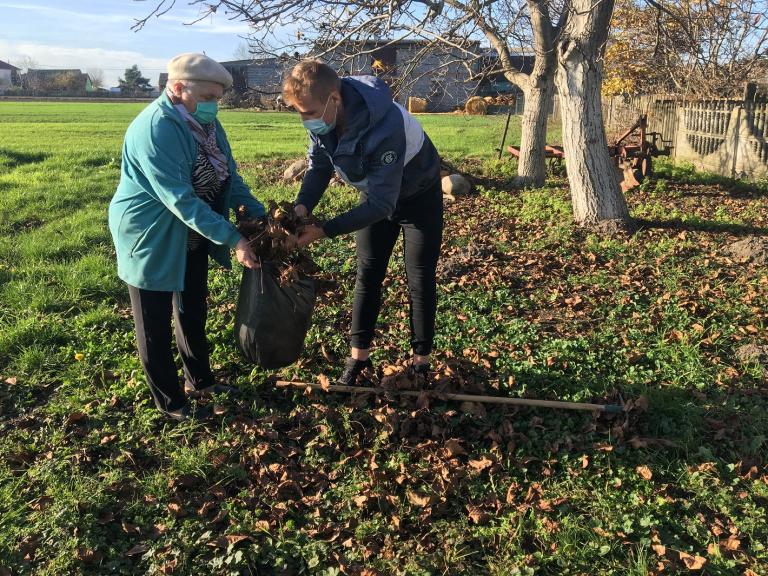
column 155, row 205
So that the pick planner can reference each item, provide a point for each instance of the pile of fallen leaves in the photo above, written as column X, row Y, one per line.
column 274, row 240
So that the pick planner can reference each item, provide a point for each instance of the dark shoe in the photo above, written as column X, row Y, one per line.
column 420, row 369
column 186, row 412
column 210, row 391
column 352, row 370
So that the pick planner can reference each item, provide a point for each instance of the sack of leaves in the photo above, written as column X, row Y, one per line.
column 275, row 304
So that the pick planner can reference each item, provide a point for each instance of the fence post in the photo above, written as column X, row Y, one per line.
column 736, row 143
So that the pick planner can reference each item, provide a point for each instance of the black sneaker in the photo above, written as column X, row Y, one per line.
column 186, row 412
column 352, row 370
column 210, row 391
column 419, row 372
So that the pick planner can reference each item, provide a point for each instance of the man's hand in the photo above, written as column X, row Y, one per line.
column 301, row 211
column 309, row 234
column 245, row 254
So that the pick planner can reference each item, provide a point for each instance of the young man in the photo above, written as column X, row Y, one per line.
column 376, row 146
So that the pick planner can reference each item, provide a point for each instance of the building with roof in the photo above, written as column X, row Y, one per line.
column 58, row 82
column 9, row 75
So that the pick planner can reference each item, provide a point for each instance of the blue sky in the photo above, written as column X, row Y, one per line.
column 97, row 34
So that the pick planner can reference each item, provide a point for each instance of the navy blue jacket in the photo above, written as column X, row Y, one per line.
column 383, row 152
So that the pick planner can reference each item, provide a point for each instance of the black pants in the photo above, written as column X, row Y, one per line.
column 152, row 316
column 421, row 221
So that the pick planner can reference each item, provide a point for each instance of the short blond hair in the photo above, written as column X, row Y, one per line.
column 310, row 78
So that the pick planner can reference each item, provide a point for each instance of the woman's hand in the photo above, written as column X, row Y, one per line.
column 309, row 234
column 245, row 254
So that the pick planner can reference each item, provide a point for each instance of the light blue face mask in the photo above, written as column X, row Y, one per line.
column 318, row 125
column 205, row 113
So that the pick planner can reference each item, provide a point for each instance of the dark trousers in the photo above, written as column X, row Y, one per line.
column 152, row 312
column 420, row 220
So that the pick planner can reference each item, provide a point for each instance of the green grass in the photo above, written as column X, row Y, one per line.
column 88, row 470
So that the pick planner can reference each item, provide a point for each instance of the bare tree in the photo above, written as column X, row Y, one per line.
column 567, row 37
column 97, row 77
column 242, row 52
column 25, row 63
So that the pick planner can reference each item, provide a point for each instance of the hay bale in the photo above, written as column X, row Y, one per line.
column 476, row 106
column 455, row 185
column 295, row 171
column 417, row 105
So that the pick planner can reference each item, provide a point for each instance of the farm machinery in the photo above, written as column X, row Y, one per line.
column 632, row 152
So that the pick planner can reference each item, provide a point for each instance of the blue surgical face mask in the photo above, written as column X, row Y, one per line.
column 318, row 125
column 205, row 113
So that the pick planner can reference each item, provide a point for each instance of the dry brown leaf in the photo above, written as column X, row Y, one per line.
column 453, row 448
column 477, row 515
column 88, row 556
column 481, row 464
column 645, row 472
column 511, row 491
column 584, row 461
column 325, row 383
column 660, row 549
column 419, row 500
column 137, row 550
column 692, row 562
column 233, row 539
column 11, row 380
column 74, row 417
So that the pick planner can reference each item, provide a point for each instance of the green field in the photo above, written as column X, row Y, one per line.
column 93, row 481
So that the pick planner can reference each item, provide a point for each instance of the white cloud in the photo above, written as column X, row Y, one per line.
column 177, row 20
column 113, row 62
column 70, row 15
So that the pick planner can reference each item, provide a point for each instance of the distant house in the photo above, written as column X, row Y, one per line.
column 441, row 75
column 162, row 80
column 115, row 90
column 58, row 82
column 262, row 77
column 8, row 75
column 444, row 76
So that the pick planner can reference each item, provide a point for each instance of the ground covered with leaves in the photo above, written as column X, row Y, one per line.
column 670, row 323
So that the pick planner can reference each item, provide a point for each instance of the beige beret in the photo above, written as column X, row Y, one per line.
column 198, row 67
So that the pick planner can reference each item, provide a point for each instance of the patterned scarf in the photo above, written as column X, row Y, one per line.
column 207, row 140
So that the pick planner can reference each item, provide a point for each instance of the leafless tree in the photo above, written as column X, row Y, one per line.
column 97, row 77
column 25, row 63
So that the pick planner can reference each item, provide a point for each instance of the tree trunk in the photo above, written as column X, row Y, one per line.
column 532, row 167
column 592, row 175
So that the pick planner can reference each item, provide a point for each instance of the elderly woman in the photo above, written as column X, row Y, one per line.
column 169, row 213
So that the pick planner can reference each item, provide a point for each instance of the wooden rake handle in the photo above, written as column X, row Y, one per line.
column 608, row 408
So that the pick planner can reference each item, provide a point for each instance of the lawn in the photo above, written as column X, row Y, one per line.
column 93, row 481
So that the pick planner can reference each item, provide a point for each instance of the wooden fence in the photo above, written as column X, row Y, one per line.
column 727, row 137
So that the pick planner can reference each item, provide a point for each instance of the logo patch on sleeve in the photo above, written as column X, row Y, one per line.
column 388, row 157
